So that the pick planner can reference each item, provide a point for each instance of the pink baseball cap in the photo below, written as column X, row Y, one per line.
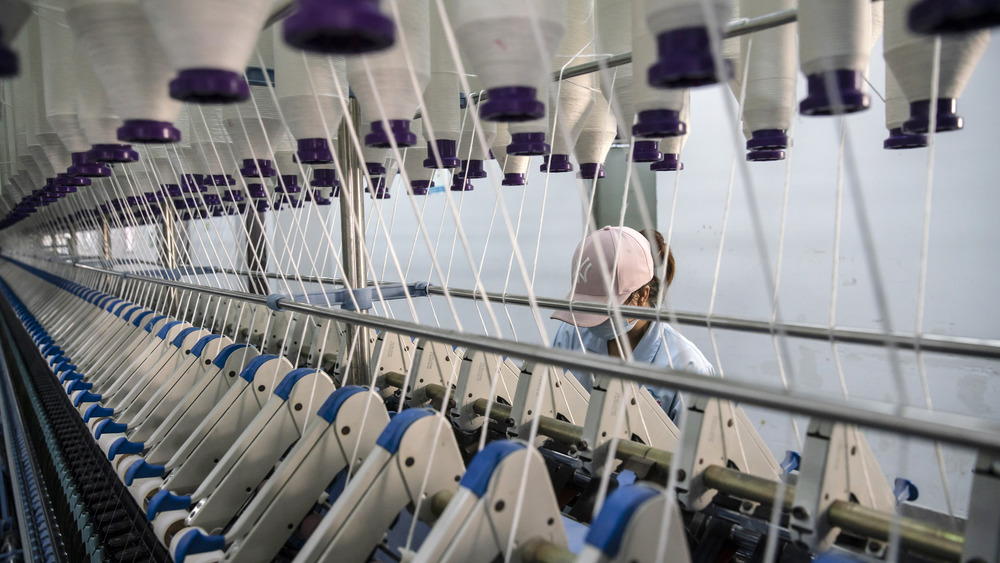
column 634, row 270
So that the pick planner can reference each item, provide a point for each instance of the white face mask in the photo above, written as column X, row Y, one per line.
column 608, row 331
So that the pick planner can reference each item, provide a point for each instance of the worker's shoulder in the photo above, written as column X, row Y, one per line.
column 684, row 353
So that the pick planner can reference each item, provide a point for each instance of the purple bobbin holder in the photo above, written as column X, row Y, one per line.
column 528, row 144
column 375, row 168
column 83, row 166
column 898, row 139
column 212, row 199
column 209, row 86
column 685, row 60
column 421, row 187
column 346, row 27
column 847, row 87
column 258, row 168
column 218, row 211
column 657, row 123
column 148, row 131
column 232, row 196
column 67, row 180
column 447, row 149
column 324, row 178
column 646, row 151
column 953, row 16
column 460, row 184
column 514, row 179
column 313, row 151
column 764, row 139
column 153, row 197
column 288, row 184
column 765, row 155
column 592, row 170
column 218, row 180
column 920, row 116
column 112, row 153
column 192, row 183
column 8, row 61
column 377, row 189
column 261, row 205
column 556, row 163
column 671, row 162
column 172, row 190
column 257, row 191
column 472, row 169
column 400, row 129
column 318, row 199
column 512, row 104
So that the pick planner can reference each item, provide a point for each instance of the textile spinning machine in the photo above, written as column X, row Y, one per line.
column 277, row 281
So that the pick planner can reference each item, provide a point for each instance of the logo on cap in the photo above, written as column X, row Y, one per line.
column 585, row 267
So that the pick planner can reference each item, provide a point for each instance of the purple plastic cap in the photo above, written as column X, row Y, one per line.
column 346, row 27
column 657, row 123
column 8, row 61
column 920, row 116
column 232, row 196
column 421, row 187
column 512, row 103
column 209, row 86
column 528, row 144
column 847, row 86
column 219, row 180
column 472, row 169
column 514, row 179
column 375, row 168
column 765, row 155
column 953, row 16
column 591, row 170
column 318, row 198
column 901, row 140
column 460, row 184
column 556, row 163
column 288, row 183
column 67, row 180
column 212, row 199
column 314, row 151
column 685, row 60
column 148, row 131
column 191, row 183
column 172, row 190
column 258, row 168
column 82, row 166
column 646, row 151
column 218, row 212
column 257, row 191
column 335, row 190
column 763, row 139
column 261, row 205
column 670, row 163
column 447, row 149
column 112, row 153
column 324, row 178
column 400, row 129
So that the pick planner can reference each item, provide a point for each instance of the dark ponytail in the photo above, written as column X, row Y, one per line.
column 663, row 264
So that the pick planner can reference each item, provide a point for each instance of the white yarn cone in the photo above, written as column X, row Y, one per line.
column 118, row 40
column 770, row 89
column 833, row 54
column 209, row 43
column 390, row 82
column 614, row 36
column 671, row 146
column 413, row 162
column 911, row 58
column 575, row 95
column 212, row 148
column 657, row 110
column 254, row 126
column 499, row 38
column 57, row 50
column 595, row 140
column 93, row 108
column 732, row 51
column 43, row 142
column 441, row 99
column 514, row 167
column 682, row 32
column 307, row 92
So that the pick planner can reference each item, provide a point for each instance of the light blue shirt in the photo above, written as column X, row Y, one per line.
column 660, row 346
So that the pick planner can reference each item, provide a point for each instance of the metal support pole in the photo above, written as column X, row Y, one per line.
column 352, row 233
column 256, row 253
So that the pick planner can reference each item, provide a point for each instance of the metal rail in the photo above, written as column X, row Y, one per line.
column 900, row 419
column 977, row 347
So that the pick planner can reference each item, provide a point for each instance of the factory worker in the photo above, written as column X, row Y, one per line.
column 634, row 281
